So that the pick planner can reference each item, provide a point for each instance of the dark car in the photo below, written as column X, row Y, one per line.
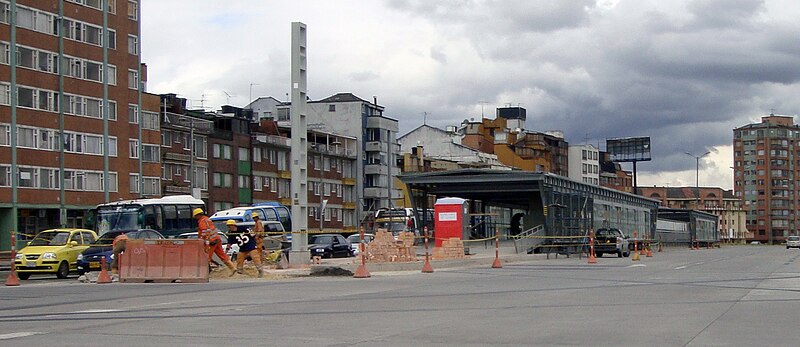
column 329, row 246
column 90, row 258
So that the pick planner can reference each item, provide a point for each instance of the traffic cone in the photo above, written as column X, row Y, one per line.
column 497, row 264
column 361, row 270
column 592, row 258
column 649, row 252
column 103, row 278
column 635, row 256
column 12, row 280
column 427, row 268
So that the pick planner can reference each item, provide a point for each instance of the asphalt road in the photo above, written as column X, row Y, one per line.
column 742, row 296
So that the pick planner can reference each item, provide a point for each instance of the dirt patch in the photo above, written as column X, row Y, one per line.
column 249, row 272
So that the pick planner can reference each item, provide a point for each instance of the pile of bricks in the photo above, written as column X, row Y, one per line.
column 452, row 248
column 385, row 248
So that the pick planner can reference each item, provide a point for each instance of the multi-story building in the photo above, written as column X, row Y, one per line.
column 445, row 146
column 230, row 159
column 613, row 176
column 71, row 75
column 584, row 164
column 181, row 171
column 765, row 157
column 717, row 201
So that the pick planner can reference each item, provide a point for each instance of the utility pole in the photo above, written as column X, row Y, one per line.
column 697, row 177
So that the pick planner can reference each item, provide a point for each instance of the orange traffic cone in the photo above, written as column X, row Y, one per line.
column 427, row 268
column 361, row 270
column 12, row 280
column 103, row 278
column 649, row 252
column 497, row 264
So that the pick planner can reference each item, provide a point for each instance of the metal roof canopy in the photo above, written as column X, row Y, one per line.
column 505, row 188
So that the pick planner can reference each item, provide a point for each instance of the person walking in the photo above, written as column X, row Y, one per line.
column 258, row 232
column 208, row 232
column 247, row 247
column 117, row 246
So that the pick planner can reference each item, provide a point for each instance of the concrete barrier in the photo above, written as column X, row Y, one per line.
column 164, row 261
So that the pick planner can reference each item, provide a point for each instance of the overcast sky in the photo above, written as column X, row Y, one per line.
column 684, row 73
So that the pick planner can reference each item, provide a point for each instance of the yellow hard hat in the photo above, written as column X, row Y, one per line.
column 254, row 215
column 230, row 222
column 197, row 211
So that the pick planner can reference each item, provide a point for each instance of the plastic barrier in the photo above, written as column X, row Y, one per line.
column 164, row 261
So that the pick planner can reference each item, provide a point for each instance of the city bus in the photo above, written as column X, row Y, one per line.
column 170, row 215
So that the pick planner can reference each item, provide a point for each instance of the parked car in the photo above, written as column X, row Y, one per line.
column 91, row 258
column 329, row 246
column 611, row 240
column 355, row 241
column 53, row 251
column 793, row 241
column 231, row 252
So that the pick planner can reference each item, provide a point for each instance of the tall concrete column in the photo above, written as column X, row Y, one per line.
column 299, row 153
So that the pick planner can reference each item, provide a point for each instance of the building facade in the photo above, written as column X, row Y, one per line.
column 73, row 111
column 613, row 176
column 584, row 164
column 765, row 157
column 716, row 201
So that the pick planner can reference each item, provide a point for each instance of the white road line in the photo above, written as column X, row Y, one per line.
column 98, row 311
column 161, row 304
column 19, row 334
column 637, row 265
column 680, row 267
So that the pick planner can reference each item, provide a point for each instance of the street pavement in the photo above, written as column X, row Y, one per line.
column 736, row 295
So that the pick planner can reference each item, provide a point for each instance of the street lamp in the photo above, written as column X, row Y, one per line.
column 697, row 176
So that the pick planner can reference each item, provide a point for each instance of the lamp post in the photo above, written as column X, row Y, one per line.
column 697, row 177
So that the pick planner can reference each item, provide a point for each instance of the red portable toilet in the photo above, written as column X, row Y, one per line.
column 450, row 219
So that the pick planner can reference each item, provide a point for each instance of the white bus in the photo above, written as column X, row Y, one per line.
column 170, row 215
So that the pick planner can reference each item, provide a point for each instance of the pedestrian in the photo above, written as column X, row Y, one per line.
column 258, row 231
column 208, row 232
column 247, row 247
column 117, row 247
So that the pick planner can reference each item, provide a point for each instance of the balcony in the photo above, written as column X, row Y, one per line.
column 273, row 140
column 374, row 146
column 177, row 189
column 177, row 157
column 349, row 181
column 349, row 205
column 285, row 174
column 375, row 169
column 285, row 201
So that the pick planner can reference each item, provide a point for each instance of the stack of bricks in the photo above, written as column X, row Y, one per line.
column 385, row 248
column 452, row 248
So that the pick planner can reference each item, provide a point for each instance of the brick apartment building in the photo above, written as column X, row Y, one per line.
column 765, row 158
column 55, row 100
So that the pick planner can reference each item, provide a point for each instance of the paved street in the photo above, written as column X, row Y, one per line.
column 744, row 296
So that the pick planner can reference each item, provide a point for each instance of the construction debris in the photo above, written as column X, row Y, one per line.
column 452, row 248
column 385, row 248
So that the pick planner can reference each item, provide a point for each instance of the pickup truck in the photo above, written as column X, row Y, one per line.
column 610, row 240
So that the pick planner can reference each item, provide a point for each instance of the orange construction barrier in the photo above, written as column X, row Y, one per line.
column 164, row 261
column 12, row 280
column 361, row 270
column 635, row 254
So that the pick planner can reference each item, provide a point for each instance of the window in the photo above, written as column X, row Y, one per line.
column 133, row 79
column 222, row 151
column 25, row 97
column 257, row 186
column 223, row 180
column 26, row 137
column 151, row 153
column 201, row 147
column 150, row 121
column 151, row 186
column 133, row 45
column 133, row 151
column 5, row 94
column 257, row 154
column 133, row 10
column 331, row 108
column 244, row 181
column 244, row 154
column 133, row 114
column 5, row 135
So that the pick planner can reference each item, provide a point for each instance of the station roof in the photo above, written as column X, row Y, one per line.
column 505, row 188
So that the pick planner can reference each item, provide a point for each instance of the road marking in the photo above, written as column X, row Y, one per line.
column 680, row 267
column 161, row 304
column 637, row 265
column 19, row 334
column 98, row 311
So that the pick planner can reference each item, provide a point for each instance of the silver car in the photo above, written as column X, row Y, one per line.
column 793, row 242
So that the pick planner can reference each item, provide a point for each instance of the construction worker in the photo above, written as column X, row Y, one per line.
column 258, row 232
column 247, row 247
column 206, row 231
column 117, row 246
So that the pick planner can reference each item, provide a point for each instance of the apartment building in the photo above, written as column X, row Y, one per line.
column 74, row 113
column 584, row 164
column 765, row 158
column 183, row 171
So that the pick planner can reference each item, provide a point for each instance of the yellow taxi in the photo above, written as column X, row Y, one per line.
column 53, row 251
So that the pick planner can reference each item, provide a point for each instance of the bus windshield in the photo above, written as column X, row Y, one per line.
column 118, row 218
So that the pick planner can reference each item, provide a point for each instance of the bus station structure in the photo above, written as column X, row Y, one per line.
column 550, row 205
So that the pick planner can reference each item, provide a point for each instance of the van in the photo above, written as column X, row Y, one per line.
column 399, row 220
column 274, row 210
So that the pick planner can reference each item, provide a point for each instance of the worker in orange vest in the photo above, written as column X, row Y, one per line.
column 117, row 246
column 208, row 232
column 258, row 232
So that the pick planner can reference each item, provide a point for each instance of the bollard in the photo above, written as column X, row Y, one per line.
column 361, row 271
column 427, row 268
column 103, row 278
column 660, row 247
column 497, row 264
column 649, row 252
column 635, row 255
column 13, row 280
column 592, row 259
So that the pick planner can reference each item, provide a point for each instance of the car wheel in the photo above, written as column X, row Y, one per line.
column 24, row 275
column 63, row 270
column 626, row 254
column 598, row 254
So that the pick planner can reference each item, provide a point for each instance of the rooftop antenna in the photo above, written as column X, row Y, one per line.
column 227, row 97
column 483, row 103
column 586, row 139
column 772, row 112
column 424, row 118
column 251, row 92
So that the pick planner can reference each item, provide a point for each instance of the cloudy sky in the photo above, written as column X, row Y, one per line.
column 684, row 73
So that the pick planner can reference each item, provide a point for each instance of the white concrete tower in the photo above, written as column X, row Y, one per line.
column 299, row 155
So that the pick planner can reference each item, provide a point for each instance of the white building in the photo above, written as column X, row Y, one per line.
column 584, row 164
column 445, row 145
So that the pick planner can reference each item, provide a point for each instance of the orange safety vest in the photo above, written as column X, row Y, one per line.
column 118, row 238
column 206, row 229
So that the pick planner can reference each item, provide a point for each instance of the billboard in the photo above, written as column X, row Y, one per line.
column 629, row 149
